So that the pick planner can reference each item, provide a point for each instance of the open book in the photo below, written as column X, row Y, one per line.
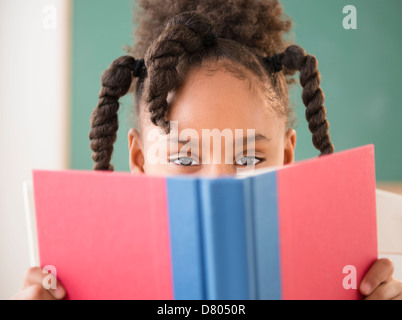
column 302, row 231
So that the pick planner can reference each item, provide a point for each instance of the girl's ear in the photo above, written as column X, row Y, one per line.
column 290, row 145
column 135, row 152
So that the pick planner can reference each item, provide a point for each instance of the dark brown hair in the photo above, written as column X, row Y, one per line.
column 240, row 35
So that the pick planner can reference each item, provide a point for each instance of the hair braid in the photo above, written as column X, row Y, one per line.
column 116, row 82
column 295, row 58
column 187, row 33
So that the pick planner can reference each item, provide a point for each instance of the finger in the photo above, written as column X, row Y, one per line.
column 399, row 296
column 381, row 271
column 33, row 275
column 36, row 276
column 386, row 291
column 33, row 292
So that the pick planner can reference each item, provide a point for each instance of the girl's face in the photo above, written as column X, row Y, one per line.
column 214, row 113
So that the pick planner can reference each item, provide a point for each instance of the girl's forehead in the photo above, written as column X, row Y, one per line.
column 220, row 100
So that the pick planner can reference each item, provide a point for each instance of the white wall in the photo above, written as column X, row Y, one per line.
column 34, row 98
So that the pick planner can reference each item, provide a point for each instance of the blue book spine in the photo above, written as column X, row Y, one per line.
column 250, row 241
column 224, row 227
column 266, row 236
column 186, row 238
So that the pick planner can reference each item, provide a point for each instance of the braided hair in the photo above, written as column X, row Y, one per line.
column 243, row 36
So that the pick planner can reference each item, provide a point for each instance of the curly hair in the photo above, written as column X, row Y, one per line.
column 244, row 36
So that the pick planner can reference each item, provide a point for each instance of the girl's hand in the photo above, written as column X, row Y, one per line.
column 33, row 287
column 379, row 284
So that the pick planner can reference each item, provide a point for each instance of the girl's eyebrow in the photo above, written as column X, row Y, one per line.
column 242, row 140
column 191, row 142
column 251, row 138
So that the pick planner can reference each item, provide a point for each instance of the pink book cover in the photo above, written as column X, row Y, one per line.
column 325, row 252
column 118, row 247
column 131, row 260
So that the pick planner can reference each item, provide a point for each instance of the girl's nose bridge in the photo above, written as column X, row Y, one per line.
column 219, row 169
column 219, row 151
column 219, row 161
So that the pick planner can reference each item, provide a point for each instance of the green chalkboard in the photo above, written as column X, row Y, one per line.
column 100, row 30
column 360, row 71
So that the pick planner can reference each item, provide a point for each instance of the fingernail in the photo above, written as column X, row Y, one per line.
column 59, row 292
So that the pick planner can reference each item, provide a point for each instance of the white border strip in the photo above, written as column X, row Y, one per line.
column 30, row 219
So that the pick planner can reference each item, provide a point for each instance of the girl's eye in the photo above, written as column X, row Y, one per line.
column 184, row 161
column 248, row 161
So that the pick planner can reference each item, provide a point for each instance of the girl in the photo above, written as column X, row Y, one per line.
column 215, row 65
